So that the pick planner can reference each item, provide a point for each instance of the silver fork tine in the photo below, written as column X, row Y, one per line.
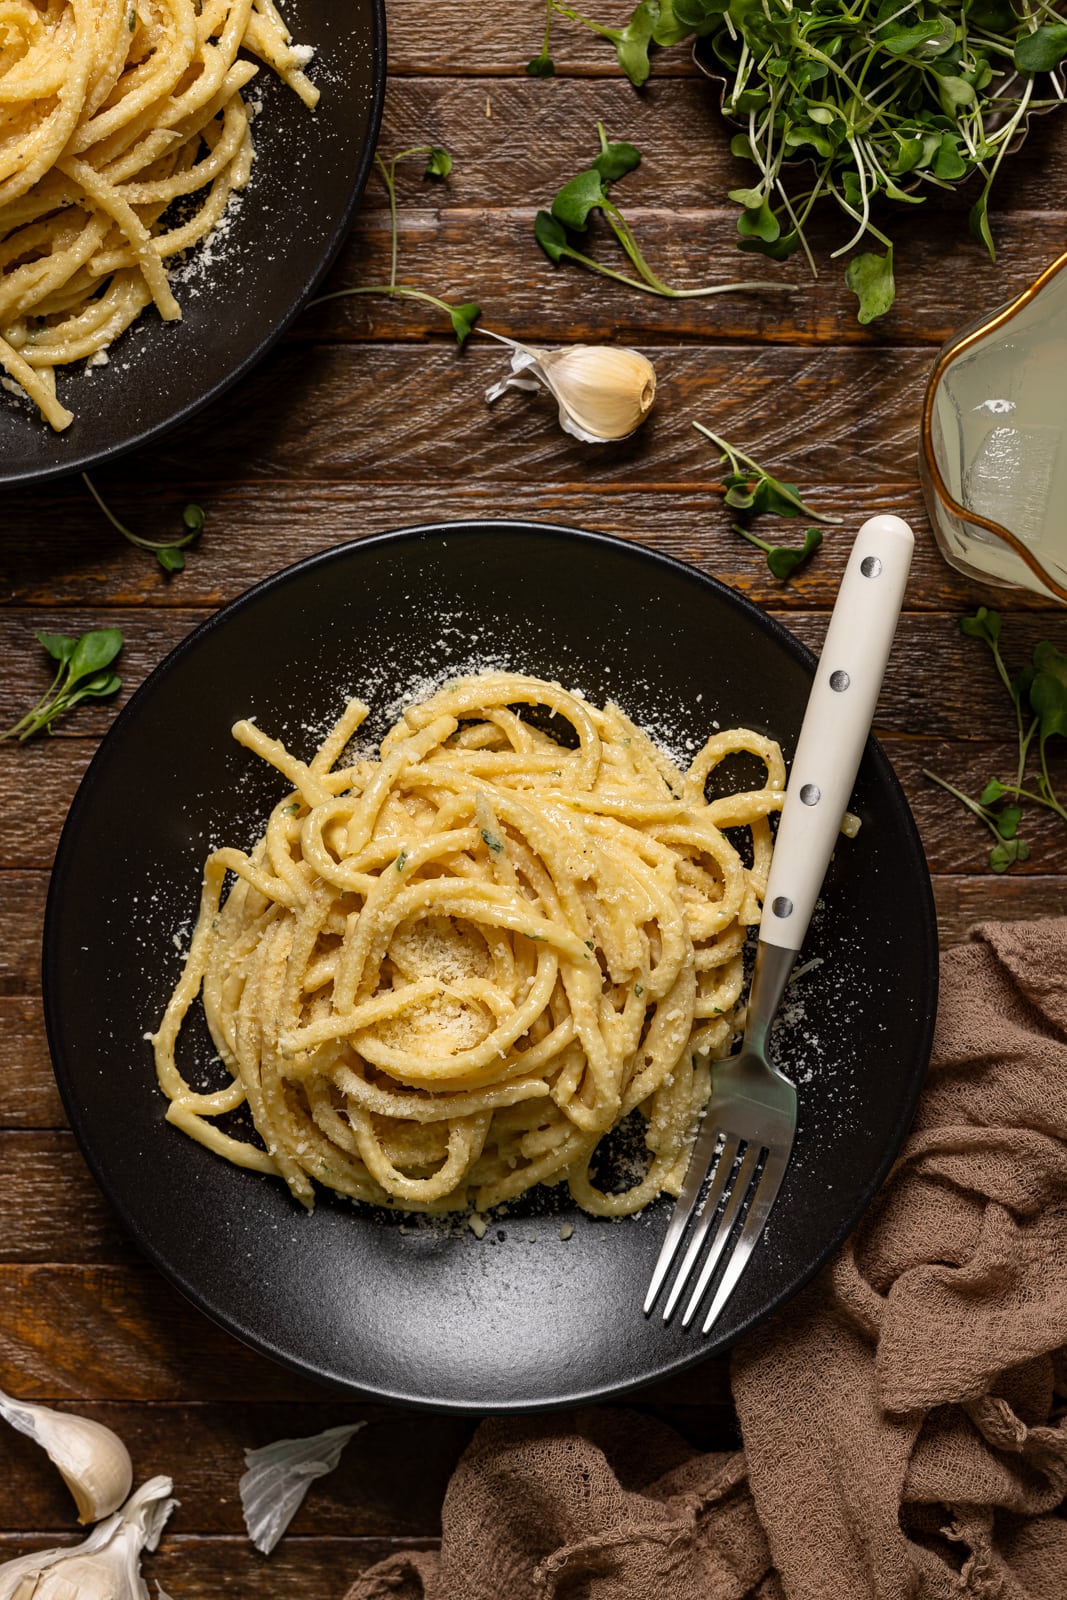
column 766, row 1193
column 723, row 1169
column 697, row 1171
column 729, row 1217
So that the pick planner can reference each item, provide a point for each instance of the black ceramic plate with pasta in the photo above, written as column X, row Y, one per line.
column 241, row 289
column 377, row 1303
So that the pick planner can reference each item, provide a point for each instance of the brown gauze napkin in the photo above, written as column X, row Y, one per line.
column 903, row 1418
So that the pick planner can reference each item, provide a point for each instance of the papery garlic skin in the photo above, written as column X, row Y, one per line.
column 280, row 1475
column 604, row 392
column 106, row 1565
column 93, row 1461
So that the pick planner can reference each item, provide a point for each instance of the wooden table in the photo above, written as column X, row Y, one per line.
column 365, row 418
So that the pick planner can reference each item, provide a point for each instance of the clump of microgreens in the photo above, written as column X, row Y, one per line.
column 880, row 98
column 84, row 673
column 589, row 192
column 170, row 553
column 438, row 166
column 750, row 488
column 1039, row 695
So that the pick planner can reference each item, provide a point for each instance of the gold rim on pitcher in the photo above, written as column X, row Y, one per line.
column 948, row 355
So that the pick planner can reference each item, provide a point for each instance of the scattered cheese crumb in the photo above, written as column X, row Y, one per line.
column 566, row 1231
column 477, row 1225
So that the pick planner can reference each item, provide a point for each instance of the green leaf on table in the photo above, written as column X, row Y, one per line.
column 171, row 558
column 1043, row 49
column 578, row 198
column 551, row 237
column 775, row 250
column 439, row 164
column 783, row 560
column 632, row 42
column 985, row 624
column 463, row 318
column 194, row 518
column 92, row 652
column 978, row 221
column 59, row 647
column 616, row 160
column 97, row 687
column 870, row 277
column 541, row 66
column 1007, row 821
column 993, row 791
column 759, row 222
column 1008, row 851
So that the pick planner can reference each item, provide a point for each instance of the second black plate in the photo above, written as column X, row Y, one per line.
column 282, row 235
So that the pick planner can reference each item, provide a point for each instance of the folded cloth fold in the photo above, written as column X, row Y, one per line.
column 904, row 1419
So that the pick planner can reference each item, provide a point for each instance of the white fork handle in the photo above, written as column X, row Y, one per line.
column 836, row 724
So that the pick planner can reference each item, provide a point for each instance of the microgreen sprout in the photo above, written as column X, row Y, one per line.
column 438, row 166
column 749, row 488
column 850, row 104
column 587, row 193
column 1039, row 695
column 783, row 560
column 170, row 553
column 84, row 673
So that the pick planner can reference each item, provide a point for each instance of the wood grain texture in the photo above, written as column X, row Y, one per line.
column 366, row 418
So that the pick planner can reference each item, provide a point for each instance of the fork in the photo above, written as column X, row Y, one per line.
column 751, row 1117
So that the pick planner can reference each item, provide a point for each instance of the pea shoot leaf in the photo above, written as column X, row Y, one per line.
column 439, row 164
column 58, row 645
column 784, row 561
column 84, row 674
column 616, row 160
column 632, row 42
column 870, row 277
column 551, row 237
column 541, row 66
column 985, row 624
column 1043, row 49
column 463, row 318
column 578, row 198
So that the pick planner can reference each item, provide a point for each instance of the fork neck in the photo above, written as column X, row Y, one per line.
column 769, row 978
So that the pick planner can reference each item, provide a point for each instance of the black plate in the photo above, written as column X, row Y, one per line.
column 281, row 238
column 376, row 1303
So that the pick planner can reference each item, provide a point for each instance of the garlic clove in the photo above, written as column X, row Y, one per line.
column 94, row 1462
column 106, row 1565
column 604, row 392
column 279, row 1476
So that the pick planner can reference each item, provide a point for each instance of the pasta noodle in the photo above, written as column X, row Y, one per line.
column 444, row 974
column 110, row 111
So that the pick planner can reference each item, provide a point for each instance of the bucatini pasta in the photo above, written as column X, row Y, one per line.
column 444, row 973
column 110, row 112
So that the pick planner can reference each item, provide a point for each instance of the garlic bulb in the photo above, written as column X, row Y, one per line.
column 106, row 1565
column 94, row 1461
column 604, row 392
column 280, row 1475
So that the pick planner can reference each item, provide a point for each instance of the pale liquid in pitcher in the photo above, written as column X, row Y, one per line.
column 1002, row 413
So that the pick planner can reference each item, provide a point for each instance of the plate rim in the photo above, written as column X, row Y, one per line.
column 926, row 932
column 21, row 477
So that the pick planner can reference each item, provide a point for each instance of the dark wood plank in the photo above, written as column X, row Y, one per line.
column 193, row 1568
column 257, row 529
column 389, row 1482
column 28, row 1094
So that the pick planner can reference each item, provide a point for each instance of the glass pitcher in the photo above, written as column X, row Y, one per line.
column 993, row 456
